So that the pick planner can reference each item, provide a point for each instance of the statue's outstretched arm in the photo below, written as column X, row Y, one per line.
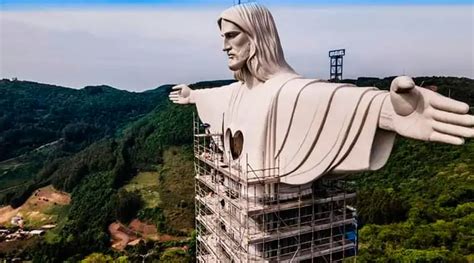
column 422, row 114
column 181, row 94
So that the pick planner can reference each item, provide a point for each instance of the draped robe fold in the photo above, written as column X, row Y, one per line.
column 307, row 128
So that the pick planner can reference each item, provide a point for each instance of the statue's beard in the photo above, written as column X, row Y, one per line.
column 252, row 70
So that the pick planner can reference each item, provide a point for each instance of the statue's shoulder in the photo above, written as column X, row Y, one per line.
column 310, row 89
column 231, row 86
column 228, row 87
column 314, row 84
column 234, row 84
column 321, row 83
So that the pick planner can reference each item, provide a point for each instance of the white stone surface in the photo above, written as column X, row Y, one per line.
column 273, row 117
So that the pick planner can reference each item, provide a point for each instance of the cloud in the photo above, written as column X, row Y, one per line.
column 140, row 49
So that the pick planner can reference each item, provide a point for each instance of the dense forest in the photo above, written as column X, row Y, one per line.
column 92, row 142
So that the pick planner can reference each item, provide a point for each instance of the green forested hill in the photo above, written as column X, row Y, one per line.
column 419, row 208
column 40, row 123
column 33, row 114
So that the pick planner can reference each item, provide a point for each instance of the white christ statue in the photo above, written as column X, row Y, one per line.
column 309, row 128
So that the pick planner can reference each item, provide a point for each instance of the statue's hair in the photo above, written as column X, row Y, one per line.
column 266, row 54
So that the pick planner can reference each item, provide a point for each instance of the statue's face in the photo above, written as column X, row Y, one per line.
column 236, row 45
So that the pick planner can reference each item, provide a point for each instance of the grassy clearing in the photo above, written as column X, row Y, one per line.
column 171, row 190
column 44, row 206
column 146, row 183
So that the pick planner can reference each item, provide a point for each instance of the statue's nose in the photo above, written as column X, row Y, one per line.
column 226, row 45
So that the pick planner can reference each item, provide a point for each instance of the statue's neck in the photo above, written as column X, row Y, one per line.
column 252, row 82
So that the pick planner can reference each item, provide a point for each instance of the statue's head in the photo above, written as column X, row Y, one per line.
column 252, row 43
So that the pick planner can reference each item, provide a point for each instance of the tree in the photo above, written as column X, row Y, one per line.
column 128, row 204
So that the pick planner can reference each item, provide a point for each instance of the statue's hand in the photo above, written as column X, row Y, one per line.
column 426, row 115
column 181, row 94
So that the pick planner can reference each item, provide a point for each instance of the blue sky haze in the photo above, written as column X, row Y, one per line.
column 141, row 45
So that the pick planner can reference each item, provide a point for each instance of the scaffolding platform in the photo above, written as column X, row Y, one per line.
column 244, row 215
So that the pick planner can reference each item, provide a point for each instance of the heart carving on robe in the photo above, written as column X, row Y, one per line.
column 235, row 142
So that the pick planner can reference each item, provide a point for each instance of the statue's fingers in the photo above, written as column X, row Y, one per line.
column 456, row 130
column 402, row 84
column 453, row 118
column 446, row 138
column 174, row 96
column 175, row 92
column 178, row 87
column 448, row 104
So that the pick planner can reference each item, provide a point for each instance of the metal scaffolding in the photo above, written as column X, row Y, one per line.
column 336, row 58
column 247, row 215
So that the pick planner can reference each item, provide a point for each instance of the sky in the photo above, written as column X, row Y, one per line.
column 143, row 44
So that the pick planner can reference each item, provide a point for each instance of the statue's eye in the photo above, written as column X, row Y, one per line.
column 232, row 34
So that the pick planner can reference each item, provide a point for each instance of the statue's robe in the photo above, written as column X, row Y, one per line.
column 307, row 128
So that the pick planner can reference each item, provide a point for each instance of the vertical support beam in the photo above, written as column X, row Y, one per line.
column 344, row 218
column 299, row 221
column 331, row 218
